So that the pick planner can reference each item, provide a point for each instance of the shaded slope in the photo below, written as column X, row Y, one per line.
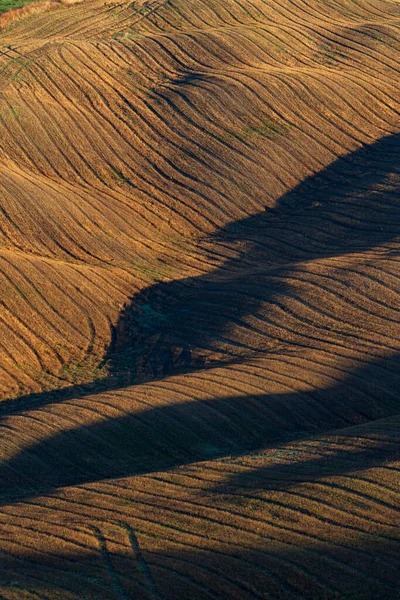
column 333, row 535
column 154, row 437
column 285, row 285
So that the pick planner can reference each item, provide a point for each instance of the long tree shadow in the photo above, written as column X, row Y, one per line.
column 353, row 205
column 364, row 569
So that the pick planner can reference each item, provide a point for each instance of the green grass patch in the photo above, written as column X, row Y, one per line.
column 267, row 129
column 6, row 5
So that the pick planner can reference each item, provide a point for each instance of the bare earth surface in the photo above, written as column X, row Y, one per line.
column 200, row 301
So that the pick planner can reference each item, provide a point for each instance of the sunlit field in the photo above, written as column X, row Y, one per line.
column 199, row 323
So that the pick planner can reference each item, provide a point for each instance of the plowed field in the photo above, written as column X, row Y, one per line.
column 200, row 300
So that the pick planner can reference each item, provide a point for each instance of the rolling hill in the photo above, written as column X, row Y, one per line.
column 200, row 322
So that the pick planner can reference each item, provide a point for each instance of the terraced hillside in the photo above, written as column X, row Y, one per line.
column 200, row 340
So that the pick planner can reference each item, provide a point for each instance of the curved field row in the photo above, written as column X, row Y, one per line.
column 55, row 313
column 311, row 517
column 95, row 18
column 138, row 153
column 199, row 323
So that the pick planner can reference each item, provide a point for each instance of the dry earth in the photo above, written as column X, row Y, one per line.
column 200, row 324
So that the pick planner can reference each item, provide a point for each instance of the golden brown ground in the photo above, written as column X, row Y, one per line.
column 200, row 224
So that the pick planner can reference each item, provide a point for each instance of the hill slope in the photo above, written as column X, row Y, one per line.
column 200, row 309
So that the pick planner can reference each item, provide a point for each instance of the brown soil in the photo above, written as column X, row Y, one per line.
column 199, row 242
